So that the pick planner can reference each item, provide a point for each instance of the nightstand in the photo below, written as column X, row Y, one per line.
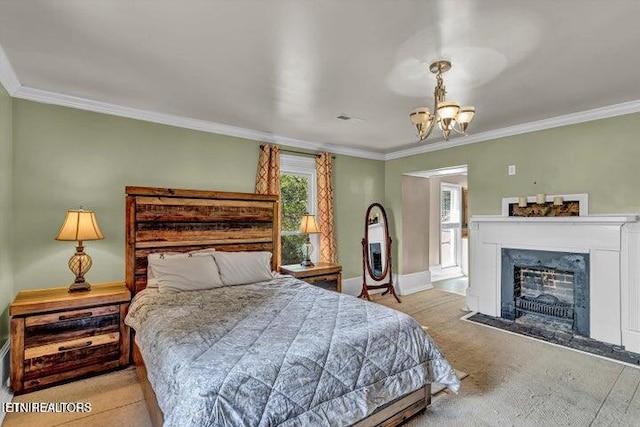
column 57, row 336
column 321, row 274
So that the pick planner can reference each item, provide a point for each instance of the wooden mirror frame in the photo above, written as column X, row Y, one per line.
column 366, row 262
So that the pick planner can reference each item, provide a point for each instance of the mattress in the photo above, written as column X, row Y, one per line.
column 280, row 352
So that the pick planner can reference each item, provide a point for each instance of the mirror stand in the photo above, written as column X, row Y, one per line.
column 376, row 253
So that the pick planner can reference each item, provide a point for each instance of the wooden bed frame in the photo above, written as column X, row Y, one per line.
column 164, row 219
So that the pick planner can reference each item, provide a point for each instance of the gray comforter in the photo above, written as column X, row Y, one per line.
column 279, row 353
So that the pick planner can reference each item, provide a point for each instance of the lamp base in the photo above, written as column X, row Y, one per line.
column 79, row 264
column 79, row 287
column 307, row 263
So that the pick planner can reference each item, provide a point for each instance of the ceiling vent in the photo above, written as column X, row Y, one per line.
column 346, row 117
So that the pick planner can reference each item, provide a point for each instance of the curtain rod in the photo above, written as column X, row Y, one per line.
column 302, row 153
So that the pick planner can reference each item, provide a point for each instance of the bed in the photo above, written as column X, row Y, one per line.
column 276, row 352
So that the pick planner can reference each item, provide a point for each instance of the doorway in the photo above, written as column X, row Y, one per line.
column 435, row 234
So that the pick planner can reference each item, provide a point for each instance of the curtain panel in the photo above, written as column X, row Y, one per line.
column 268, row 177
column 324, row 178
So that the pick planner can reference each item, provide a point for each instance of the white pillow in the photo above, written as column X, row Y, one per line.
column 238, row 268
column 152, row 282
column 191, row 273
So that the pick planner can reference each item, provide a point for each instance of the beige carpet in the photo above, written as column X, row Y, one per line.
column 512, row 381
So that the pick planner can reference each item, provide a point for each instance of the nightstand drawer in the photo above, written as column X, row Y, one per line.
column 323, row 278
column 68, row 325
column 65, row 356
column 67, row 316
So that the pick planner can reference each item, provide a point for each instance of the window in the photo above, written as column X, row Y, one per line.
column 450, row 226
column 298, row 196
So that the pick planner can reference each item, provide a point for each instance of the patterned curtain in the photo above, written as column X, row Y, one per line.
column 268, row 178
column 324, row 176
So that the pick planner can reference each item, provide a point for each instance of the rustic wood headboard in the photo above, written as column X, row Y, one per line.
column 165, row 219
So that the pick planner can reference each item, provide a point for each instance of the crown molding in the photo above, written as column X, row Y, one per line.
column 47, row 97
column 9, row 80
column 8, row 77
column 553, row 122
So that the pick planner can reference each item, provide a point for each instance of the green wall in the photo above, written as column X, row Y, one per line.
column 357, row 184
column 6, row 168
column 64, row 158
column 599, row 158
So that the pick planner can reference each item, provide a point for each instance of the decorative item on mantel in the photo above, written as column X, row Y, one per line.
column 80, row 225
column 542, row 205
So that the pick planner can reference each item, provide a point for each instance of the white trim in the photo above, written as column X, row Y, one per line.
column 47, row 97
column 583, row 198
column 438, row 273
column 11, row 83
column 452, row 170
column 5, row 393
column 617, row 219
column 306, row 166
column 411, row 283
column 8, row 77
column 404, row 284
column 553, row 122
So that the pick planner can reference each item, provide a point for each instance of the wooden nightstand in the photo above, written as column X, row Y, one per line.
column 319, row 274
column 57, row 336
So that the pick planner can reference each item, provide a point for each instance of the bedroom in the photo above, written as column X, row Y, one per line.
column 55, row 158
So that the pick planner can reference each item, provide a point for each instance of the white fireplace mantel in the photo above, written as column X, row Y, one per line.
column 613, row 245
column 591, row 219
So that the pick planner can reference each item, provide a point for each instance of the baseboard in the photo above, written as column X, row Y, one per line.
column 404, row 284
column 438, row 273
column 473, row 303
column 631, row 340
column 5, row 393
column 413, row 282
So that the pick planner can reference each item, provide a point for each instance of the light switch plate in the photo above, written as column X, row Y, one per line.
column 512, row 169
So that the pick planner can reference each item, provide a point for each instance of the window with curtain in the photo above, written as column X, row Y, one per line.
column 298, row 196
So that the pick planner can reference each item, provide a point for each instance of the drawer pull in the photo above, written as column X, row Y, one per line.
column 75, row 316
column 75, row 346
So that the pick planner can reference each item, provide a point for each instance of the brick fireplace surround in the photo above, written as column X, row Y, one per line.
column 612, row 243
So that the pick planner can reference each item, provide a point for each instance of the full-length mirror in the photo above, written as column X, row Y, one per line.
column 376, row 252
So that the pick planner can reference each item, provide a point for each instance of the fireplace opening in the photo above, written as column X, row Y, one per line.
column 546, row 290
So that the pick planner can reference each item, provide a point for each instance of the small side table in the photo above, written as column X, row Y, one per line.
column 319, row 274
column 57, row 336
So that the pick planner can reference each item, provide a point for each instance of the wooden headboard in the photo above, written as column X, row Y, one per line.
column 165, row 219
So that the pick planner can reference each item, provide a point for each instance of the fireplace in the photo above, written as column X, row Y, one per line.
column 546, row 289
column 606, row 291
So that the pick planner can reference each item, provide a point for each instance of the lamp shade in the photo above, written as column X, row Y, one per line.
column 80, row 225
column 308, row 224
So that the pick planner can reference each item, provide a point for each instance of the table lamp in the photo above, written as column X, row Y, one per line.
column 80, row 225
column 308, row 225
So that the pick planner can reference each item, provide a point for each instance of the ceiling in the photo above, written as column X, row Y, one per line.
column 289, row 68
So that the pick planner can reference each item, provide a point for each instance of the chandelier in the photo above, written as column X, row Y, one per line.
column 449, row 115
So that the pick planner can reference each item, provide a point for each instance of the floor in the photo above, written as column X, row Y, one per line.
column 513, row 381
column 457, row 285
